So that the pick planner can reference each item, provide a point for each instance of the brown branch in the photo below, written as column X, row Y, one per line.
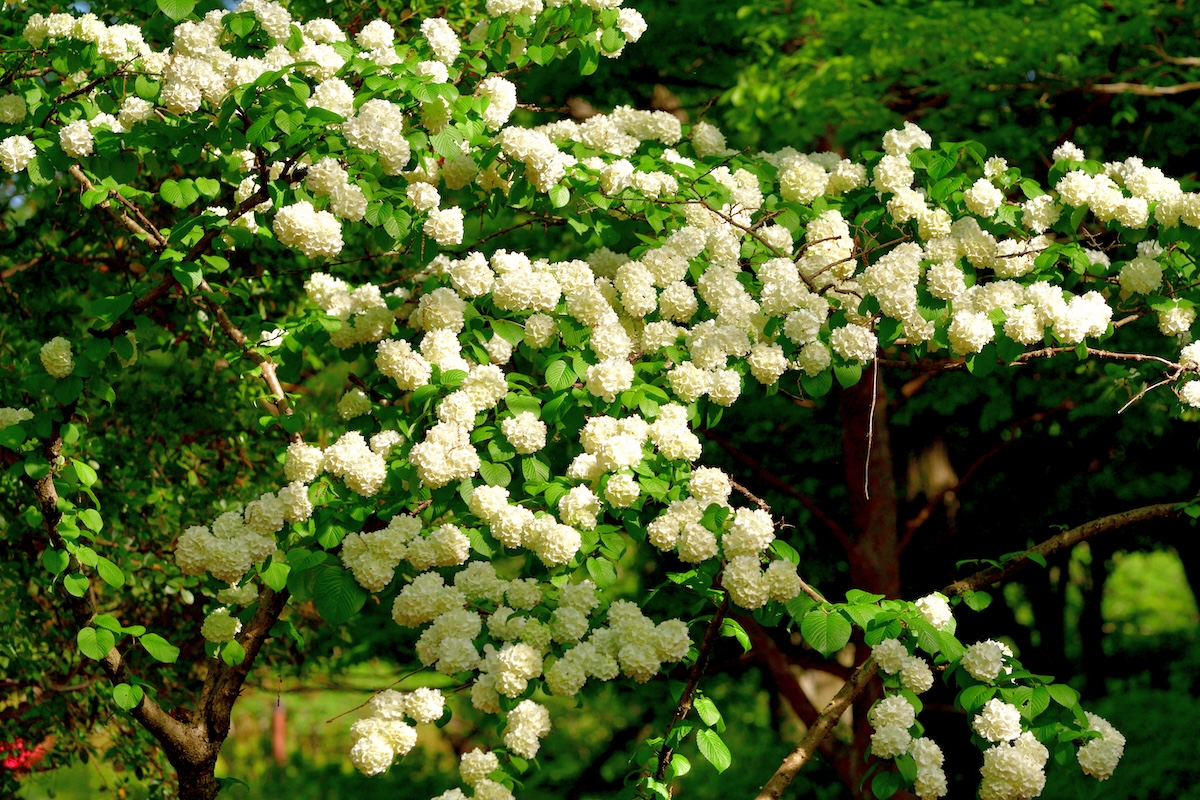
column 1145, row 90
column 224, row 683
column 1061, row 541
column 689, row 691
column 176, row 738
column 774, row 481
column 155, row 239
column 818, row 731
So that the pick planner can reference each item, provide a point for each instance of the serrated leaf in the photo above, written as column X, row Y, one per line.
column 95, row 642
column 159, row 648
column 40, row 171
column 535, row 469
column 1039, row 701
column 952, row 648
column 176, row 9
column 75, row 585
column 495, row 474
column 680, row 766
column 713, row 749
column 1064, row 695
column 337, row 595
column 707, row 710
column 109, row 572
column 127, row 697
column 276, row 575
column 602, row 572
column 55, row 561
column 232, row 653
column 827, row 632
column 848, row 374
column 974, row 698
column 560, row 376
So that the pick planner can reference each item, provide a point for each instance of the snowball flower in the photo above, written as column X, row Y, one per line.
column 16, row 152
column 76, row 139
column 984, row 660
column 998, row 722
column 312, row 232
column 220, row 626
column 56, row 357
column 445, row 226
column 525, row 432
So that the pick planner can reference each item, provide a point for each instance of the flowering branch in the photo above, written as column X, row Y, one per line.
column 689, row 692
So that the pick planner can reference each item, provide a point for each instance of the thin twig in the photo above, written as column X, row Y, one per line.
column 689, row 691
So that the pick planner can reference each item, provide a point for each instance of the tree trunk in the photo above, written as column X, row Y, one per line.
column 199, row 781
column 873, row 538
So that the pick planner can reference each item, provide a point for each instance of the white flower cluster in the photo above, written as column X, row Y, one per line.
column 57, row 358
column 1014, row 770
column 631, row 644
column 384, row 735
column 240, row 539
column 363, row 311
column 998, row 722
column 16, row 152
column 220, row 626
column 1099, row 757
column 893, row 658
column 892, row 717
column 312, row 232
column 11, row 416
column 985, row 660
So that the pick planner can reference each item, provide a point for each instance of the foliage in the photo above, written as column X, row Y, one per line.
column 482, row 353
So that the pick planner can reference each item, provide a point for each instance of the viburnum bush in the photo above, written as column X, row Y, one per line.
column 277, row 199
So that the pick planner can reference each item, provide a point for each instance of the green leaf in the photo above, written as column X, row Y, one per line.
column 1039, row 702
column 848, row 374
column 713, row 749
column 176, row 9
column 110, row 573
column 337, row 595
column 159, row 648
column 884, row 785
column 818, row 385
column 1064, row 695
column 40, row 170
column 108, row 309
column 127, row 697
column 680, row 766
column 708, row 712
column 732, row 628
column 189, row 275
column 276, row 575
column 559, row 195
column 95, row 642
column 974, row 698
column 495, row 474
column 85, row 474
column 977, row 601
column 232, row 653
column 90, row 517
column 535, row 469
column 75, row 585
column 602, row 572
column 177, row 193
column 560, row 376
column 208, row 187
column 826, row 631
column 55, row 561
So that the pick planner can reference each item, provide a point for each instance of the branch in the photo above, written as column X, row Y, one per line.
column 175, row 737
column 1061, row 541
column 689, row 691
column 818, row 731
column 773, row 480
column 1143, row 89
column 224, row 683
column 156, row 240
